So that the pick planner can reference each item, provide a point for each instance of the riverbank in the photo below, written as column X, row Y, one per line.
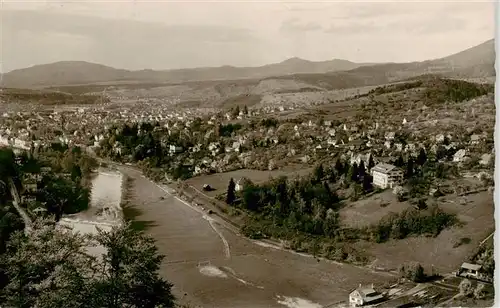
column 105, row 209
column 220, row 268
column 217, row 214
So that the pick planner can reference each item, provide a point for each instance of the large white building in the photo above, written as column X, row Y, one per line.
column 386, row 175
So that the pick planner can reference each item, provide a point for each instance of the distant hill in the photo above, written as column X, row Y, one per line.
column 79, row 72
column 474, row 62
column 45, row 97
column 66, row 72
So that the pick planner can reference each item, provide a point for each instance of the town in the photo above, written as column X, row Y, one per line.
column 299, row 184
column 373, row 163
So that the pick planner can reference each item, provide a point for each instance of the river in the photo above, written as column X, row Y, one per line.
column 211, row 266
column 104, row 210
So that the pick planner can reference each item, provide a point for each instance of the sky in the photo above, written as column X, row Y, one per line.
column 144, row 34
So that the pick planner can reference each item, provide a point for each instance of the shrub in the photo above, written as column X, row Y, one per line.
column 413, row 272
column 466, row 288
column 462, row 241
column 480, row 292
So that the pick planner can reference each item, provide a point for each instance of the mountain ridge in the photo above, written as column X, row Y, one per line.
column 477, row 61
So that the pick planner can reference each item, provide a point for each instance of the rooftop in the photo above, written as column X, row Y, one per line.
column 474, row 267
column 384, row 168
column 369, row 294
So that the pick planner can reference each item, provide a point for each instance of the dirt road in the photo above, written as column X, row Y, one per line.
column 211, row 266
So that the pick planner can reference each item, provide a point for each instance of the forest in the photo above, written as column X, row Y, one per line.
column 48, row 267
column 308, row 207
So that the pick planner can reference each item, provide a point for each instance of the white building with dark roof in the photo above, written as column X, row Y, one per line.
column 386, row 175
column 470, row 270
column 364, row 296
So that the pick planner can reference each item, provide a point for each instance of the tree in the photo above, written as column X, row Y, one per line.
column 356, row 191
column 331, row 176
column 399, row 192
column 319, row 173
column 361, row 170
column 331, row 223
column 446, row 140
column 352, row 175
column 413, row 271
column 52, row 268
column 130, row 272
column 339, row 167
column 68, row 161
column 409, row 168
column 7, row 163
column 236, row 111
column 245, row 110
column 87, row 164
column 331, row 197
column 479, row 291
column 63, row 196
column 47, row 269
column 231, row 197
column 371, row 163
column 76, row 173
column 465, row 287
column 422, row 157
column 399, row 162
column 367, row 183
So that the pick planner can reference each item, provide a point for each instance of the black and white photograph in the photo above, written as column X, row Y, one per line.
column 247, row 154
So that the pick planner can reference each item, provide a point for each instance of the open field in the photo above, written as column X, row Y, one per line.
column 220, row 181
column 370, row 210
column 478, row 215
column 250, row 275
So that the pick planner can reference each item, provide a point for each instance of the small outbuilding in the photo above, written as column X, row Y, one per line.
column 364, row 296
column 241, row 184
column 470, row 270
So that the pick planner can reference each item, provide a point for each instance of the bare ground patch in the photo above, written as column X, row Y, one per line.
column 476, row 211
column 370, row 210
column 220, row 181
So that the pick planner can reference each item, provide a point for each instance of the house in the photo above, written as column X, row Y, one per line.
column 45, row 170
column 475, row 139
column 28, row 199
column 173, row 149
column 364, row 296
column 485, row 159
column 459, row 156
column 331, row 141
column 470, row 270
column 390, row 135
column 440, row 138
column 241, row 183
column 5, row 140
column 31, row 187
column 386, row 175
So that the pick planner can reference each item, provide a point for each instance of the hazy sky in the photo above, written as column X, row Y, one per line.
column 172, row 34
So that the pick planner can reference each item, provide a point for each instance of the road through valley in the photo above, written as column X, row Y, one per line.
column 211, row 266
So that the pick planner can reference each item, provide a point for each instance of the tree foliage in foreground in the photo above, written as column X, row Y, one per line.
column 53, row 268
column 413, row 272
